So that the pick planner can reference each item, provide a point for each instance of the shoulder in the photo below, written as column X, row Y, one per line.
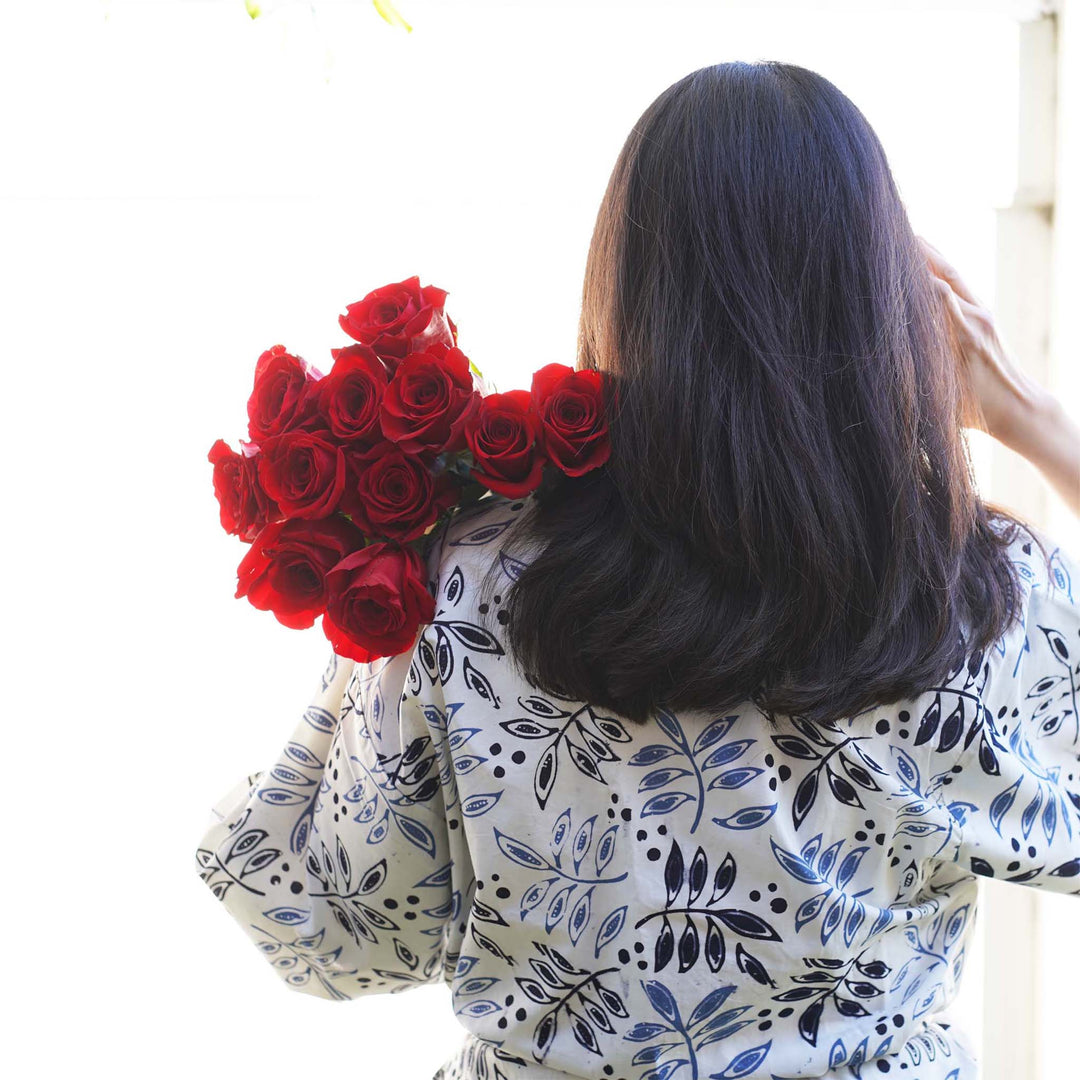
column 1043, row 645
column 472, row 541
column 1045, row 566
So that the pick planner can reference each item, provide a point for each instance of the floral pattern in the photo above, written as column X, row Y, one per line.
column 697, row 897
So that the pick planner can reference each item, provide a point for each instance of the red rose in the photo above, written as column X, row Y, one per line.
column 280, row 399
column 399, row 319
column 428, row 400
column 350, row 395
column 389, row 493
column 244, row 506
column 285, row 568
column 503, row 435
column 571, row 406
column 378, row 598
column 304, row 472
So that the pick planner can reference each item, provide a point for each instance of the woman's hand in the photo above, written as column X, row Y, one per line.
column 999, row 398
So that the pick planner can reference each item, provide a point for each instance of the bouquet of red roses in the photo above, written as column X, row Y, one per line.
column 344, row 475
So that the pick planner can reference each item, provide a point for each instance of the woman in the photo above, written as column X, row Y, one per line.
column 696, row 769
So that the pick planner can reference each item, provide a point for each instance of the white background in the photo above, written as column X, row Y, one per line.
column 183, row 187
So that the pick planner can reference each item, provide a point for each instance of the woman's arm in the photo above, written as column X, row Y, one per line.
column 1000, row 397
column 1045, row 434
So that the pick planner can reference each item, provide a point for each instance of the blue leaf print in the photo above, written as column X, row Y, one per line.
column 724, row 755
column 750, row 817
column 794, row 865
column 610, row 928
column 605, row 849
column 907, row 769
column 710, row 1003
column 288, row 916
column 838, row 1054
column 919, row 828
column 518, row 852
column 417, row 833
column 661, row 777
column 810, row 909
column 734, row 778
column 513, row 567
column 828, row 857
column 849, row 866
column 745, row 1063
column 290, row 776
column 579, row 915
column 664, row 803
column 303, row 756
column 281, row 797
column 670, row 726
column 534, row 895
column 1031, row 812
column 320, row 719
column 713, row 733
column 650, row 755
column 1001, row 803
column 833, row 918
column 1049, row 820
column 642, row 1032
column 477, row 1009
column 557, row 907
column 854, row 921
column 475, row 805
column 582, row 842
column 663, row 1001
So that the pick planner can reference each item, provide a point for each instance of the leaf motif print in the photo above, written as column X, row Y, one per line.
column 681, row 1041
column 583, row 1027
column 585, row 861
column 700, row 917
column 597, row 731
column 474, row 637
column 573, row 890
column 714, row 752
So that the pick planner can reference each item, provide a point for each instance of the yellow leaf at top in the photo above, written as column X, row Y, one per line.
column 390, row 14
column 253, row 8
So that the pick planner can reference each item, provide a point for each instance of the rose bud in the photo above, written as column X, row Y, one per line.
column 503, row 435
column 398, row 319
column 279, row 399
column 393, row 494
column 428, row 400
column 378, row 599
column 349, row 396
column 304, row 472
column 285, row 569
column 244, row 506
column 570, row 405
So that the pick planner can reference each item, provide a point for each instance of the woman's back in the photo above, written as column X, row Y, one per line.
column 701, row 896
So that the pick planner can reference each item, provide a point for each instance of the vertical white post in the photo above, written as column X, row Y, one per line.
column 1022, row 306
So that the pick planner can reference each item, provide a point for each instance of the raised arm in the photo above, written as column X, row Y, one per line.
column 1001, row 398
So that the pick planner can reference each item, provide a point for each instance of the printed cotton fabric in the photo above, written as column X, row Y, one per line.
column 701, row 896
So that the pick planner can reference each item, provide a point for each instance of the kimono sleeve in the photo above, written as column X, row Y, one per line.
column 1015, row 785
column 335, row 860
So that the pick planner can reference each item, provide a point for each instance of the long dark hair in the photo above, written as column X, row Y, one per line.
column 788, row 515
